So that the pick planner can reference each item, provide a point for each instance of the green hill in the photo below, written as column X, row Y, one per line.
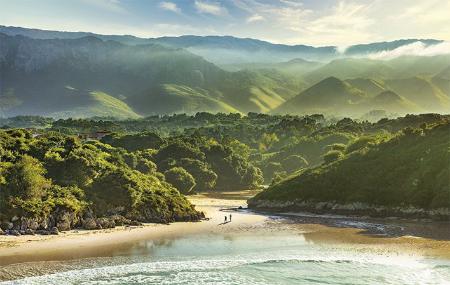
column 442, row 81
column 174, row 98
column 98, row 104
column 348, row 68
column 422, row 92
column 392, row 102
column 378, row 69
column 331, row 95
column 369, row 86
column 409, row 169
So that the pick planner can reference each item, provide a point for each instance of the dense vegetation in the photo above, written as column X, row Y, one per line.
column 408, row 168
column 54, row 180
column 59, row 173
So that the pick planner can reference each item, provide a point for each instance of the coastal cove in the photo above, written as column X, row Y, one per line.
column 235, row 252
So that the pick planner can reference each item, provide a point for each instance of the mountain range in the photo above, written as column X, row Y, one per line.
column 65, row 74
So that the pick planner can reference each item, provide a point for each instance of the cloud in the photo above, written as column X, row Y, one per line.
column 345, row 21
column 417, row 48
column 170, row 6
column 209, row 8
column 254, row 18
column 108, row 5
column 292, row 3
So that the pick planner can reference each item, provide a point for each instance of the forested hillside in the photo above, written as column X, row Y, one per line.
column 372, row 175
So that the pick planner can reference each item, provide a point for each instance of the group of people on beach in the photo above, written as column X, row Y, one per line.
column 228, row 220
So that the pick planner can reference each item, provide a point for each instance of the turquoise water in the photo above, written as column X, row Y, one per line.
column 271, row 258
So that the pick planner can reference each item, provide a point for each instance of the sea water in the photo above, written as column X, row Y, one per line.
column 271, row 258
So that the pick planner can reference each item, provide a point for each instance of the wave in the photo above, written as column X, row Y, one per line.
column 238, row 270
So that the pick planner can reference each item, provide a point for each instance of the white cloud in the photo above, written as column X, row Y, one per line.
column 210, row 8
column 170, row 6
column 346, row 23
column 108, row 5
column 292, row 3
column 417, row 48
column 255, row 18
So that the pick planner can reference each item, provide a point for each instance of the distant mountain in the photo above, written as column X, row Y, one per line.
column 330, row 95
column 391, row 102
column 397, row 68
column 442, row 80
column 369, row 86
column 82, row 74
column 348, row 68
column 356, row 97
column 370, row 48
column 228, row 49
column 295, row 67
column 421, row 91
column 40, row 76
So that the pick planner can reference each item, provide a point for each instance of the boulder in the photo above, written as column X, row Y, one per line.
column 6, row 226
column 89, row 224
column 2, row 232
column 65, row 220
column 63, row 225
column 106, row 223
column 54, row 231
column 43, row 232
column 29, row 232
column 120, row 220
column 135, row 223
column 28, row 223
column 13, row 232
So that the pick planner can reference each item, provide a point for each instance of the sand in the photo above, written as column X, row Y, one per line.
column 19, row 255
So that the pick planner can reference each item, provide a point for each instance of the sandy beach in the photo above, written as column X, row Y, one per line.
column 24, row 255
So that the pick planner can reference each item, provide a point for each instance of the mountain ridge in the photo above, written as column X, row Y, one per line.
column 231, row 49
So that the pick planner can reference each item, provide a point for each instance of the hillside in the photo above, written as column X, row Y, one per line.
column 369, row 86
column 144, row 79
column 82, row 75
column 442, row 81
column 348, row 68
column 410, row 169
column 379, row 69
column 422, row 92
column 96, row 104
column 329, row 95
column 392, row 102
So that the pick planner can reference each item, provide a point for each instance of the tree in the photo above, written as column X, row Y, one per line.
column 26, row 179
column 267, row 140
column 204, row 177
column 26, row 188
column 180, row 179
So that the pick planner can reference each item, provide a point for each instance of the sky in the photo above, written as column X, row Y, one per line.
column 312, row 22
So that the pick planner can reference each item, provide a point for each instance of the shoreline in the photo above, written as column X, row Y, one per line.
column 351, row 210
column 31, row 255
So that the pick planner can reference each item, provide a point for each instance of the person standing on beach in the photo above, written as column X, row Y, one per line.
column 230, row 217
column 225, row 219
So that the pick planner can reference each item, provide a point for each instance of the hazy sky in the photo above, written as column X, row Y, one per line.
column 315, row 22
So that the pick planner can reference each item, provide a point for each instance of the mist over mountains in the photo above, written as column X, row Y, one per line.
column 66, row 74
